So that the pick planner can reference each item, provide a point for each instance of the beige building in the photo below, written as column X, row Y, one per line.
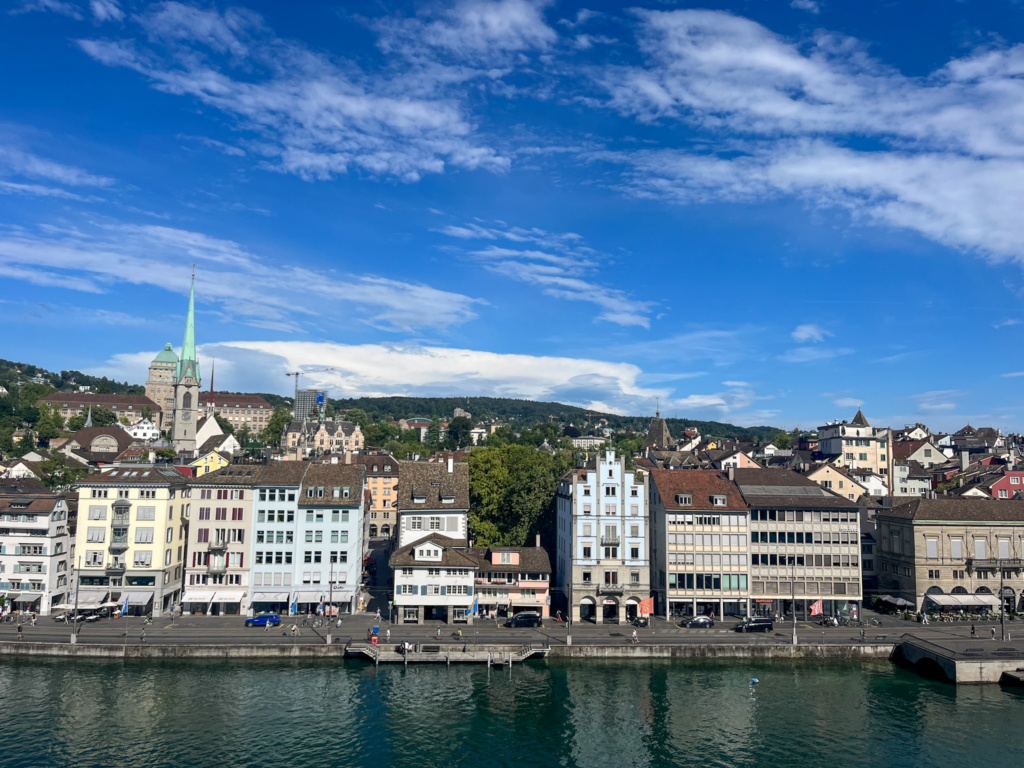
column 948, row 553
column 381, row 483
column 836, row 479
column 251, row 412
column 217, row 580
column 320, row 437
column 131, row 537
column 856, row 444
column 126, row 407
column 160, row 383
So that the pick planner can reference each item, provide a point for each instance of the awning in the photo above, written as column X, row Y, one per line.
column 310, row 597
column 91, row 599
column 139, row 598
column 229, row 596
column 270, row 597
column 899, row 602
column 964, row 600
column 28, row 597
column 198, row 596
column 340, row 596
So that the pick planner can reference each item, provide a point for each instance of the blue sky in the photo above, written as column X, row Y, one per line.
column 759, row 212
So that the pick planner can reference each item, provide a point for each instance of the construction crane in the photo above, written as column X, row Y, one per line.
column 297, row 374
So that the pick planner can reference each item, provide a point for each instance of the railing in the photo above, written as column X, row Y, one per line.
column 219, row 544
column 117, row 565
column 611, row 589
column 609, row 540
column 121, row 520
column 118, row 543
column 216, row 568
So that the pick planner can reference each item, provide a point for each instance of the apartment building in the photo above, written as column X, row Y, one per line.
column 435, row 578
column 804, row 544
column 433, row 498
column 160, row 382
column 381, row 481
column 131, row 537
column 700, row 531
column 510, row 580
column 219, row 561
column 275, row 511
column 951, row 553
column 856, row 444
column 249, row 412
column 127, row 407
column 603, row 560
column 35, row 547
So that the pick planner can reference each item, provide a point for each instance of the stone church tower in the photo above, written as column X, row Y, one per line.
column 186, row 385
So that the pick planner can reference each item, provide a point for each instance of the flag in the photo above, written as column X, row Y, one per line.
column 476, row 606
column 816, row 608
column 646, row 607
column 124, row 610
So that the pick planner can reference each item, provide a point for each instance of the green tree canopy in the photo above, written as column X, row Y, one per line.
column 226, row 426
column 49, row 425
column 101, row 417
column 782, row 440
column 271, row 434
column 457, row 435
column 59, row 475
column 24, row 445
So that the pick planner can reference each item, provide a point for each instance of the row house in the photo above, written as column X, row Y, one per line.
column 837, row 479
column 130, row 538
column 275, row 516
column 510, row 580
column 305, row 438
column 433, row 498
column 249, row 412
column 856, row 444
column 381, row 482
column 603, row 553
column 219, row 555
column 951, row 554
column 804, row 544
column 699, row 544
column 35, row 547
column 435, row 579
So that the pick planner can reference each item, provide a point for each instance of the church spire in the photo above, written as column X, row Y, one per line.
column 187, row 363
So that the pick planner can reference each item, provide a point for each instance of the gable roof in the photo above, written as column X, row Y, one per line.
column 113, row 402
column 236, row 474
column 225, row 400
column 784, row 488
column 432, row 481
column 138, row 474
column 960, row 508
column 453, row 554
column 701, row 484
column 285, row 473
column 531, row 559
column 329, row 477
column 658, row 436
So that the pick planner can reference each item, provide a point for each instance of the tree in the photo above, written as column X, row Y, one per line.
column 782, row 440
column 226, row 427
column 147, row 413
column 49, row 425
column 457, row 435
column 271, row 434
column 6, row 440
column 379, row 433
column 58, row 475
column 166, row 453
column 433, row 440
column 24, row 445
column 359, row 416
column 101, row 417
column 570, row 431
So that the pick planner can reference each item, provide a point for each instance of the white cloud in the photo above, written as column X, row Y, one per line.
column 937, row 400
column 812, row 354
column 51, row 6
column 806, row 5
column 106, row 10
column 848, row 402
column 808, row 332
column 487, row 30
column 735, row 384
column 310, row 115
column 1013, row 375
column 947, row 159
column 23, row 163
column 1006, row 323
column 245, row 286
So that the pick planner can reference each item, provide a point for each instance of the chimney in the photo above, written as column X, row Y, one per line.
column 451, row 465
column 538, row 541
column 152, row 457
column 965, row 460
column 348, row 457
column 732, row 474
column 334, row 459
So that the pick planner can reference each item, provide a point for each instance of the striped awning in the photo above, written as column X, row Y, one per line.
column 229, row 596
column 964, row 600
column 310, row 597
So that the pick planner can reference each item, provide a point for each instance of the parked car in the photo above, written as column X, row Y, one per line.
column 755, row 625
column 526, row 619
column 699, row 622
column 262, row 619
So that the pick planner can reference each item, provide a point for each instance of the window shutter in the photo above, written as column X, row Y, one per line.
column 444, row 590
column 241, row 560
column 17, row 549
column 241, row 494
column 469, row 591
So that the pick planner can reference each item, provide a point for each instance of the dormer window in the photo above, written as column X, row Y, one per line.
column 344, row 492
column 684, row 499
column 387, row 467
column 447, row 499
column 718, row 501
column 419, row 498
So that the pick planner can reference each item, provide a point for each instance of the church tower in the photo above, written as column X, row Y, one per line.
column 186, row 384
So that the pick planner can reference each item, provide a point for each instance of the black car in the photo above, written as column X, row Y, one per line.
column 755, row 625
column 699, row 622
column 526, row 620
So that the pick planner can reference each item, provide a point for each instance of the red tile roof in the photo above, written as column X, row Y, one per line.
column 700, row 484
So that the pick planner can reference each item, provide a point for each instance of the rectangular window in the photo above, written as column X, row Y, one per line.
column 96, row 535
column 97, row 513
column 980, row 549
column 145, row 513
column 586, row 553
column 932, row 548
column 143, row 559
column 143, row 535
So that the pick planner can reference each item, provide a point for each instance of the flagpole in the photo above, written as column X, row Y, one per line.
column 794, row 601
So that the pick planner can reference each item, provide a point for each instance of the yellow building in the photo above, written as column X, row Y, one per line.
column 131, row 538
column 209, row 462
column 381, row 479
column 836, row 480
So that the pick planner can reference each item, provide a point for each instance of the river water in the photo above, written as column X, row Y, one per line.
column 556, row 713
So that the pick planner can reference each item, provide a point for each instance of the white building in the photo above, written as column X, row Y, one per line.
column 434, row 580
column 144, row 429
column 603, row 559
column 35, row 547
column 433, row 498
column 588, row 442
column 858, row 445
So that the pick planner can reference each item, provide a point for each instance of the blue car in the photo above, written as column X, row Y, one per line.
column 262, row 619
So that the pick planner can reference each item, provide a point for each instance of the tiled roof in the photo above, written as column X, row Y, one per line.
column 283, row 473
column 222, row 400
column 452, row 555
column 432, row 481
column 84, row 437
column 379, row 461
column 329, row 477
column 902, row 449
column 531, row 559
column 76, row 399
column 236, row 474
column 959, row 509
column 700, row 484
column 783, row 488
column 145, row 474
column 859, row 420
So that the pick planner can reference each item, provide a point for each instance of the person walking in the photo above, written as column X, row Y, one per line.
column 387, row 635
column 142, row 636
column 993, row 633
column 635, row 638
column 377, row 617
column 266, row 625
column 295, row 630
column 974, row 632
column 439, row 631
column 460, row 633
column 20, row 635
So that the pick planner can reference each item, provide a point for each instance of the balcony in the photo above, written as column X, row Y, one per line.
column 610, row 541
column 117, row 566
column 121, row 520
column 118, row 544
column 611, row 589
column 218, row 545
column 216, row 569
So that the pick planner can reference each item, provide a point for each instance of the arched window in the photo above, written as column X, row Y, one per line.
column 385, row 530
column 186, row 400
column 373, row 531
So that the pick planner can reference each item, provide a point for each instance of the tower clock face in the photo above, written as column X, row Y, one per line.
column 186, row 416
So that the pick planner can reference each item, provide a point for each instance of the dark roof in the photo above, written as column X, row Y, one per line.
column 85, row 436
column 138, row 474
column 114, row 402
column 783, row 488
column 221, row 400
column 453, row 554
column 379, row 461
column 212, row 444
column 432, row 480
column 329, row 477
column 701, row 484
column 902, row 449
column 658, row 436
column 236, row 474
column 285, row 473
column 531, row 559
column 23, row 503
column 958, row 509
column 16, row 485
column 859, row 420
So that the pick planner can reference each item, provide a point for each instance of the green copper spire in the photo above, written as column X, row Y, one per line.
column 188, row 365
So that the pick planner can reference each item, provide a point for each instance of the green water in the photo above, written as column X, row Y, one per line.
column 59, row 713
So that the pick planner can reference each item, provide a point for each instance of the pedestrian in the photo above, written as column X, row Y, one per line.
column 439, row 631
column 460, row 633
column 993, row 633
column 20, row 635
column 369, row 634
column 142, row 636
column 295, row 630
column 266, row 625
column 377, row 617
column 974, row 632
column 635, row 638
column 387, row 635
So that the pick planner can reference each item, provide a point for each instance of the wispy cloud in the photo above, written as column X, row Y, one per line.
column 1006, row 323
column 806, row 5
column 777, row 116
column 937, row 400
column 848, row 402
column 1013, row 375
column 308, row 114
column 565, row 271
column 50, row 6
column 813, row 354
column 19, row 162
column 246, row 287
column 106, row 10
column 809, row 332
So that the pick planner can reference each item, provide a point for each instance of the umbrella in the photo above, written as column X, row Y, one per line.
column 110, row 604
column 62, row 607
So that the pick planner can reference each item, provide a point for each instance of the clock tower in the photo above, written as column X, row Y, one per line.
column 186, row 385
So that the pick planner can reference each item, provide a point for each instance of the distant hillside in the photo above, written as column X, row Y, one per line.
column 531, row 412
column 21, row 373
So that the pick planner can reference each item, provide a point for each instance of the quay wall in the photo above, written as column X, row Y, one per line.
column 730, row 651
